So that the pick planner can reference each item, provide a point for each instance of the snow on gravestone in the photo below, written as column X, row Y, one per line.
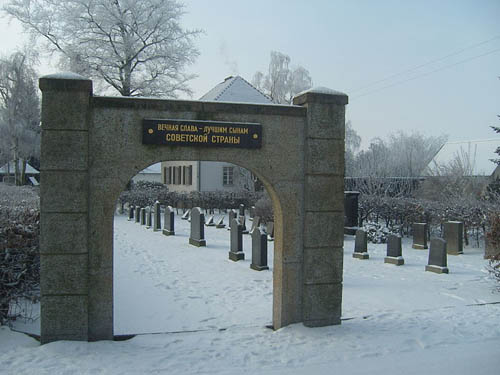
column 143, row 216
column 259, row 250
column 149, row 216
column 197, row 237
column 137, row 214
column 231, row 216
column 220, row 224
column 131, row 210
column 157, row 217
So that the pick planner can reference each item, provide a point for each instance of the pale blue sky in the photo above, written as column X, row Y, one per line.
column 346, row 45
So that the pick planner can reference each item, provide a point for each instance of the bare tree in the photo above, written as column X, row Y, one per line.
column 136, row 47
column 352, row 144
column 19, row 111
column 281, row 82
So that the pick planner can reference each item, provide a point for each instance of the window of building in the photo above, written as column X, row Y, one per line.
column 190, row 175
column 227, row 175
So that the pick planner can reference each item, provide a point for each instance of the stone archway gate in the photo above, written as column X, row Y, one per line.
column 92, row 146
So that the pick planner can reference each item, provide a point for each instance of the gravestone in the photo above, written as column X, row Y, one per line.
column 351, row 207
column 252, row 213
column 169, row 221
column 220, row 223
column 232, row 215
column 419, row 235
column 157, row 217
column 241, row 210
column 131, row 210
column 259, row 250
column 137, row 214
column 242, row 222
column 453, row 235
column 185, row 216
column 197, row 237
column 437, row 256
column 149, row 216
column 143, row 216
column 361, row 245
column 270, row 230
column 210, row 222
column 236, row 253
column 255, row 223
column 394, row 250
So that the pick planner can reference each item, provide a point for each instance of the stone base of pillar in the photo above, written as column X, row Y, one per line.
column 167, row 232
column 398, row 261
column 240, row 255
column 360, row 255
column 419, row 247
column 437, row 269
column 198, row 243
column 256, row 267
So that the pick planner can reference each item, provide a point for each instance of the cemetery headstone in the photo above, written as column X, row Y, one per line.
column 210, row 222
column 351, row 212
column 231, row 216
column 255, row 223
column 143, row 216
column 454, row 235
column 252, row 213
column 437, row 256
column 149, row 216
column 157, row 217
column 137, row 214
column 242, row 222
column 259, row 250
column 270, row 230
column 241, row 210
column 361, row 245
column 236, row 253
column 419, row 235
column 131, row 210
column 197, row 237
column 394, row 250
column 169, row 221
column 185, row 216
column 220, row 223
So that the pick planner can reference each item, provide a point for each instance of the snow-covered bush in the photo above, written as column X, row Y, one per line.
column 493, row 238
column 264, row 208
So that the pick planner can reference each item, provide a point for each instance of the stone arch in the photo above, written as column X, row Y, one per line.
column 90, row 147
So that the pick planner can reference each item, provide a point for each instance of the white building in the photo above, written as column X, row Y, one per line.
column 186, row 176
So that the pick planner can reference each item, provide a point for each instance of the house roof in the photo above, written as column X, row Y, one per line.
column 478, row 152
column 236, row 89
column 29, row 168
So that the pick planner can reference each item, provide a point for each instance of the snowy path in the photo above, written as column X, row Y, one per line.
column 404, row 320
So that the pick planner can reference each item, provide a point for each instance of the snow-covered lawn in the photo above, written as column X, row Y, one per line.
column 196, row 312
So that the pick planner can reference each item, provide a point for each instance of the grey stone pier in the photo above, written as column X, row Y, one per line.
column 84, row 169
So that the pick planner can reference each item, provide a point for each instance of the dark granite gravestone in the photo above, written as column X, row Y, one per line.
column 361, row 245
column 232, row 215
column 169, row 221
column 394, row 250
column 157, row 217
column 143, row 216
column 185, row 216
column 255, row 223
column 270, row 230
column 454, row 235
column 131, row 210
column 197, row 237
column 241, row 211
column 137, row 214
column 220, row 223
column 437, row 256
column 252, row 213
column 210, row 222
column 259, row 250
column 351, row 212
column 149, row 217
column 236, row 253
column 419, row 235
column 242, row 222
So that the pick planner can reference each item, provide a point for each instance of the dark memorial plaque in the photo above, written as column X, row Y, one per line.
column 201, row 133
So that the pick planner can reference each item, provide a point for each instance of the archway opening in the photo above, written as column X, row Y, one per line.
column 163, row 284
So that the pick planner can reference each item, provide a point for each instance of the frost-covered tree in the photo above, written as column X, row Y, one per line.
column 136, row 47
column 282, row 83
column 19, row 111
column 352, row 144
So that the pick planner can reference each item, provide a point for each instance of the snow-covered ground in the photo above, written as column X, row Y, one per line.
column 196, row 312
